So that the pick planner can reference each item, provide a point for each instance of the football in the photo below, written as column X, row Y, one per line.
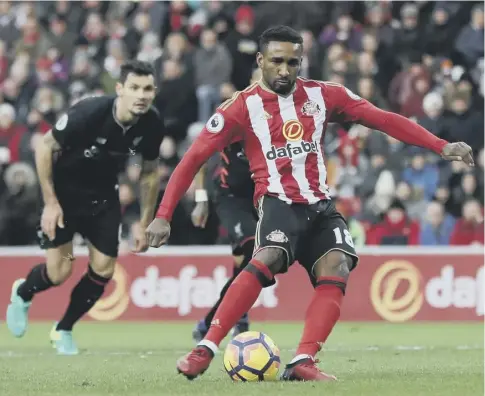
column 252, row 356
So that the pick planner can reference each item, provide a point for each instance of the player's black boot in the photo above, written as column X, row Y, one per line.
column 242, row 326
column 200, row 331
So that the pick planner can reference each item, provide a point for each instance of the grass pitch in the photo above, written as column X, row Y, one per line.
column 139, row 359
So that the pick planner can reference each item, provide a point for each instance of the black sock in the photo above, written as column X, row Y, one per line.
column 210, row 315
column 83, row 297
column 37, row 280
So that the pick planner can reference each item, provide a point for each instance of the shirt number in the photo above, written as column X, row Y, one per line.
column 339, row 238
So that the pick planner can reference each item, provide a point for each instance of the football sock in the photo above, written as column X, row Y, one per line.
column 37, row 280
column 210, row 315
column 240, row 297
column 83, row 297
column 322, row 314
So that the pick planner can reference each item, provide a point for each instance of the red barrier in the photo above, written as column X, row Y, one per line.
column 407, row 285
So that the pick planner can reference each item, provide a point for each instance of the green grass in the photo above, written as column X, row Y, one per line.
column 139, row 359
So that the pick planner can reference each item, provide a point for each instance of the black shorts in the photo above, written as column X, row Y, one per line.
column 98, row 222
column 238, row 216
column 305, row 232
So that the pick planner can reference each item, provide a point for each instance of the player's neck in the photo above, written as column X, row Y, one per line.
column 121, row 115
column 263, row 85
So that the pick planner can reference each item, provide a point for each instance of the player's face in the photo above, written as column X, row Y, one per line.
column 280, row 63
column 137, row 93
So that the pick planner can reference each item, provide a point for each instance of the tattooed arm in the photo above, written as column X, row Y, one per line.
column 43, row 161
column 149, row 188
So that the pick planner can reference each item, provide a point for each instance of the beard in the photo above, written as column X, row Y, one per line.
column 282, row 88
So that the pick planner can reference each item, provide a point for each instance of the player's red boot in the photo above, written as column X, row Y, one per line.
column 305, row 369
column 195, row 363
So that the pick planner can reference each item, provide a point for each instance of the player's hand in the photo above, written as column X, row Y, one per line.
column 141, row 242
column 200, row 214
column 458, row 152
column 158, row 232
column 52, row 217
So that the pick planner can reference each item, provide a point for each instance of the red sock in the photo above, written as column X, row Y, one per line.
column 240, row 297
column 322, row 315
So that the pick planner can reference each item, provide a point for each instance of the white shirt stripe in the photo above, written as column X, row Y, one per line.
column 288, row 112
column 260, row 127
column 315, row 94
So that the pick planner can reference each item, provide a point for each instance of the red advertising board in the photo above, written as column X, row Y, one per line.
column 397, row 286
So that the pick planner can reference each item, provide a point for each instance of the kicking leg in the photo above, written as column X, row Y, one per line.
column 83, row 297
column 53, row 272
column 245, row 289
column 331, row 273
column 240, row 262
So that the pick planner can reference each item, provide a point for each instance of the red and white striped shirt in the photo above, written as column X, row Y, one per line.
column 283, row 139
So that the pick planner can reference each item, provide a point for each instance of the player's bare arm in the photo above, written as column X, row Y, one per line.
column 52, row 214
column 149, row 187
column 200, row 213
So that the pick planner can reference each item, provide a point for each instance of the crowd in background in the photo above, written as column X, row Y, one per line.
column 422, row 59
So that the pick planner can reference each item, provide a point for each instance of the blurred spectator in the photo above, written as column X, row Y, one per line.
column 433, row 120
column 440, row 31
column 466, row 189
column 176, row 48
column 468, row 229
column 94, row 35
column 311, row 58
column 10, row 132
column 242, row 44
column 60, row 37
column 413, row 200
column 116, row 56
column 19, row 206
column 367, row 89
column 409, row 34
column 465, row 122
column 213, row 67
column 33, row 39
column 59, row 66
column 176, row 99
column 356, row 229
column 150, row 49
column 48, row 103
column 395, row 229
column 436, row 226
column 409, row 85
column 422, row 176
column 130, row 209
column 382, row 191
column 8, row 29
column 378, row 18
column 345, row 31
column 3, row 61
column 470, row 42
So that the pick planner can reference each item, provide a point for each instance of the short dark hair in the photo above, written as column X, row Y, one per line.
column 280, row 33
column 137, row 67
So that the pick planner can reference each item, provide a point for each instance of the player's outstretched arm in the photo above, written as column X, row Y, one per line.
column 217, row 134
column 349, row 107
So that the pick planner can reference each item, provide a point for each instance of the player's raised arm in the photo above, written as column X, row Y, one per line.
column 349, row 107
column 221, row 130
